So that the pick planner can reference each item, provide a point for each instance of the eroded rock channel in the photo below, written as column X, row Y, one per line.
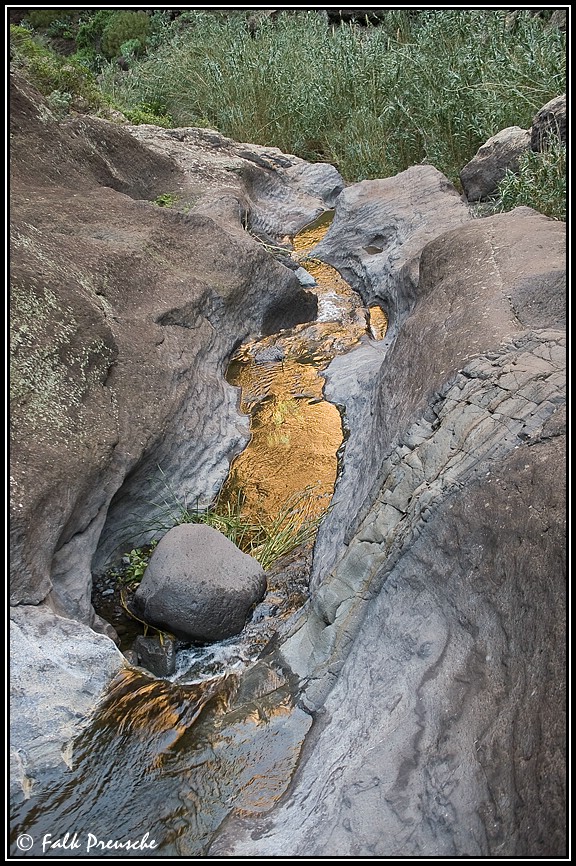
column 424, row 672
column 224, row 730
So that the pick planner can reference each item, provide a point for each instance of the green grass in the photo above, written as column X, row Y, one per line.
column 540, row 182
column 295, row 524
column 420, row 87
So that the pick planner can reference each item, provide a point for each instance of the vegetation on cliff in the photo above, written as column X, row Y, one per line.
column 428, row 86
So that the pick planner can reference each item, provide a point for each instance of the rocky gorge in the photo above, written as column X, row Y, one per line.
column 427, row 666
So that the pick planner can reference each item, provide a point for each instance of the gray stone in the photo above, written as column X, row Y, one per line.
column 379, row 230
column 435, row 623
column 157, row 656
column 124, row 316
column 59, row 670
column 501, row 153
column 199, row 585
column 445, row 732
column 305, row 279
column 269, row 355
column 551, row 119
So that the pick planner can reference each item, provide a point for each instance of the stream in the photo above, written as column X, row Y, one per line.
column 166, row 761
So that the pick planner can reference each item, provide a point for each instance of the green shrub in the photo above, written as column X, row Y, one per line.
column 148, row 113
column 132, row 48
column 59, row 102
column 53, row 74
column 123, row 27
column 90, row 31
column 52, row 20
column 540, row 182
column 167, row 199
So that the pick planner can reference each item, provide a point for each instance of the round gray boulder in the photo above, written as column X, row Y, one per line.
column 199, row 585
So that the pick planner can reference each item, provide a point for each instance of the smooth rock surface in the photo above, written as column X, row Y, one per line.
column 123, row 317
column 199, row 585
column 444, row 735
column 379, row 230
column 59, row 670
column 501, row 153
column 432, row 649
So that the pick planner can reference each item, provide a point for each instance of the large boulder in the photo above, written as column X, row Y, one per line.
column 501, row 153
column 199, row 586
column 551, row 119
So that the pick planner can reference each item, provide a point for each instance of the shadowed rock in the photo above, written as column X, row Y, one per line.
column 501, row 153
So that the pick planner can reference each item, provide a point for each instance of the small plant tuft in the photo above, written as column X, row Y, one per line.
column 135, row 564
column 167, row 199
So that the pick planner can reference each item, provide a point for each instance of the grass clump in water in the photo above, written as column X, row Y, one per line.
column 294, row 525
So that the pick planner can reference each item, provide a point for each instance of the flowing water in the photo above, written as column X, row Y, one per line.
column 296, row 434
column 165, row 762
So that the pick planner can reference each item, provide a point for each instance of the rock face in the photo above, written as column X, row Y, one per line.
column 199, row 585
column 432, row 648
column 431, row 651
column 124, row 315
column 550, row 119
column 480, row 177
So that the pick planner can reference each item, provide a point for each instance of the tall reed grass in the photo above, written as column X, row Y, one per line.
column 420, row 87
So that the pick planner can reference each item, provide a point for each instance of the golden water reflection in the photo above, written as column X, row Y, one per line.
column 296, row 434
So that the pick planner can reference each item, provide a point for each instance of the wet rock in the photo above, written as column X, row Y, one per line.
column 501, row 153
column 157, row 656
column 305, row 279
column 551, row 119
column 199, row 585
column 269, row 355
column 59, row 669
column 379, row 230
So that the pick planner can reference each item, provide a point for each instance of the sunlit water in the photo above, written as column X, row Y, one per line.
column 296, row 434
